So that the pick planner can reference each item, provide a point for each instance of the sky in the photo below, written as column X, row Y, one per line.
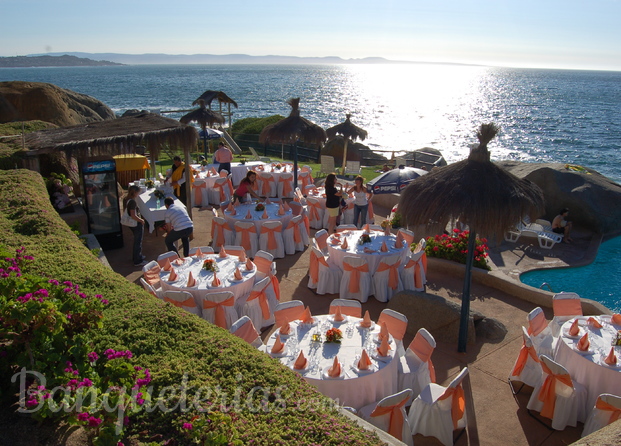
column 545, row 33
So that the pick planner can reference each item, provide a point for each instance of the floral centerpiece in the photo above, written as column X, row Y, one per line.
column 277, row 166
column 159, row 194
column 150, row 184
column 204, row 163
column 334, row 335
column 617, row 340
column 385, row 224
column 455, row 247
column 210, row 265
column 242, row 161
column 364, row 238
column 259, row 207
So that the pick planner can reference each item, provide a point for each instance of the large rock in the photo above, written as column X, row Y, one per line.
column 29, row 101
column 594, row 200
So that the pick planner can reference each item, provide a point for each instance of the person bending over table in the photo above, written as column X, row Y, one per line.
column 333, row 201
column 179, row 226
column 223, row 157
column 560, row 225
column 245, row 187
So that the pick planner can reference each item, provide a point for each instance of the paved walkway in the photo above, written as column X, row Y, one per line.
column 501, row 418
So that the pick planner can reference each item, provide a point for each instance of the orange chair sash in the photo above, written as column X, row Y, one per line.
column 219, row 306
column 245, row 236
column 247, row 332
column 354, row 278
column 314, row 210
column 189, row 302
column 423, row 350
column 276, row 285
column 152, row 276
column 220, row 186
column 525, row 352
column 314, row 265
column 198, row 192
column 288, row 314
column 409, row 239
column 322, row 241
column 346, row 310
column 287, row 185
column 396, row 327
column 393, row 275
column 603, row 405
column 537, row 325
column 567, row 307
column 395, row 424
column 458, row 405
column 271, row 236
column 265, row 308
column 221, row 227
column 266, row 189
column 297, row 236
column 547, row 394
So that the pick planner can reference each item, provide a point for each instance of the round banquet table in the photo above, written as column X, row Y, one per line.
column 272, row 214
column 337, row 254
column 589, row 369
column 239, row 170
column 226, row 268
column 351, row 389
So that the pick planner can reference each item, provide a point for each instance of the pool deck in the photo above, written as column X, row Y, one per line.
column 501, row 418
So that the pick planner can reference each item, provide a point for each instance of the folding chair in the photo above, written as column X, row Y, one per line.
column 386, row 281
column 289, row 311
column 348, row 307
column 566, row 306
column 219, row 308
column 356, row 279
column 527, row 368
column 182, row 299
column 389, row 415
column 321, row 276
column 416, row 370
column 607, row 410
column 244, row 329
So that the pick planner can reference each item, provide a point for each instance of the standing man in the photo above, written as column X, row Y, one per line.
column 224, row 156
column 177, row 180
column 179, row 226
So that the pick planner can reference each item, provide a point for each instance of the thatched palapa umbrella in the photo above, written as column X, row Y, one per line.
column 291, row 130
column 481, row 194
column 204, row 117
column 348, row 131
column 221, row 97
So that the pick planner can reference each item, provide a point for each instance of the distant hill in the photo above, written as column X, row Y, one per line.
column 64, row 60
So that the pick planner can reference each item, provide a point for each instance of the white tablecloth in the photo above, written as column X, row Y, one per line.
column 352, row 390
column 337, row 254
column 588, row 369
column 226, row 268
column 238, row 170
column 147, row 204
column 272, row 213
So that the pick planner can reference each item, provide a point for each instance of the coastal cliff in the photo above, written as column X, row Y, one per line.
column 52, row 61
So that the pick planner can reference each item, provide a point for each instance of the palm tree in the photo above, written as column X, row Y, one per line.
column 348, row 131
column 479, row 193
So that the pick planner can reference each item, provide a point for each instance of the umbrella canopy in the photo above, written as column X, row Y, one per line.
column 204, row 117
column 395, row 180
column 292, row 129
column 482, row 195
column 210, row 95
column 348, row 131
column 210, row 133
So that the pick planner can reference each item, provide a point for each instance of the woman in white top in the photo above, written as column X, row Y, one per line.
column 361, row 201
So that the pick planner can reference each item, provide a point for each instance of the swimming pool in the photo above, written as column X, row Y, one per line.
column 599, row 281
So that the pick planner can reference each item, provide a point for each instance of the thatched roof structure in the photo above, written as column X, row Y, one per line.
column 347, row 129
column 210, row 95
column 113, row 137
column 476, row 191
column 293, row 128
column 204, row 116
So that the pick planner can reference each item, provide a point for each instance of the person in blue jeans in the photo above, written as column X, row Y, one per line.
column 361, row 201
column 131, row 208
column 179, row 226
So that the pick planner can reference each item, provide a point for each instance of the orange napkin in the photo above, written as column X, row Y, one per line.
column 338, row 316
column 335, row 370
column 233, row 211
column 367, row 228
column 237, row 274
column 583, row 343
column 366, row 320
column 178, row 261
column 191, row 280
column 249, row 265
column 223, row 253
column 281, row 210
column 307, row 318
column 198, row 252
column 387, row 230
column 242, row 256
column 611, row 359
column 173, row 275
column 248, row 215
column 384, row 248
column 383, row 348
column 593, row 322
column 286, row 206
column 383, row 334
column 213, row 171
column 365, row 361
column 344, row 245
column 216, row 281
column 167, row 266
column 574, row 330
column 278, row 345
column 616, row 319
column 265, row 216
column 285, row 328
column 300, row 363
column 399, row 243
column 231, row 207
column 267, row 200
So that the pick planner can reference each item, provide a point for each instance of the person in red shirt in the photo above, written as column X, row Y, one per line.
column 245, row 187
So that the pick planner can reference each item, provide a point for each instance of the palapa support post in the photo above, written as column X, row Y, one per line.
column 188, row 176
column 465, row 298
column 295, row 165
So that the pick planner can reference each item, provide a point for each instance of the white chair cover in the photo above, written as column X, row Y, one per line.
column 265, row 264
column 269, row 229
column 289, row 311
column 161, row 259
column 148, row 288
column 389, row 420
column 407, row 235
column 315, row 213
column 246, row 236
column 285, row 185
column 566, row 306
column 220, row 191
column 413, row 272
column 345, row 227
column 152, row 264
column 386, row 280
column 356, row 280
column 540, row 333
column 267, row 184
column 295, row 230
column 221, row 233
column 324, row 278
column 415, row 367
column 397, row 324
column 430, row 413
column 225, row 301
column 235, row 250
column 348, row 307
column 244, row 329
column 259, row 306
column 569, row 402
column 182, row 299
column 527, row 368
column 204, row 250
column 607, row 409
column 321, row 240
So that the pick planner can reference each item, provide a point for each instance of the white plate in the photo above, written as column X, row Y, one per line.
column 331, row 319
column 315, row 322
column 567, row 335
column 616, row 366
column 282, row 354
column 367, row 328
column 583, row 353
column 324, row 373
column 180, row 278
column 372, row 369
column 301, row 371
column 282, row 335
column 605, row 318
column 234, row 280
column 377, row 357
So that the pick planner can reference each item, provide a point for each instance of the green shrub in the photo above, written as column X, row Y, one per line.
column 254, row 126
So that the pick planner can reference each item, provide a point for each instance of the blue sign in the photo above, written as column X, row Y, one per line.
column 99, row 166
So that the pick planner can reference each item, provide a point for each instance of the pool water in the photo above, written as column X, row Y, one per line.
column 599, row 281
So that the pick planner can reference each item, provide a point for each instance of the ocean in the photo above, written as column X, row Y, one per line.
column 545, row 115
